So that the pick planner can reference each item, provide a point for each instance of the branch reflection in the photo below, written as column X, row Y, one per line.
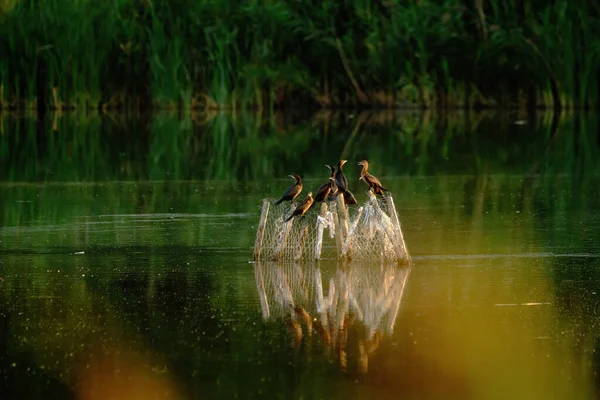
column 351, row 308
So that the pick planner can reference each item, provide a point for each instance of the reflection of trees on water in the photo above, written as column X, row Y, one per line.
column 246, row 146
column 351, row 310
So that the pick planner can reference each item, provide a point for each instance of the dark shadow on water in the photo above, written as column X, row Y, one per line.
column 21, row 377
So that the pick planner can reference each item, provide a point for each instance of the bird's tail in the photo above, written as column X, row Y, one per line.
column 278, row 201
column 349, row 198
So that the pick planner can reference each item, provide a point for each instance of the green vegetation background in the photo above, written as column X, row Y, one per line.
column 131, row 54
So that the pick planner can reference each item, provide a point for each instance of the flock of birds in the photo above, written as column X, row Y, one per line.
column 336, row 185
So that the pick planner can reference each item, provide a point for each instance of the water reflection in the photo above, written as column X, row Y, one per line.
column 148, row 283
column 351, row 309
column 233, row 147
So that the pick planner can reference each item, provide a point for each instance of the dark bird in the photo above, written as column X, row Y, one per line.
column 334, row 188
column 349, row 198
column 323, row 191
column 293, row 191
column 342, row 184
column 302, row 208
column 370, row 180
column 340, row 179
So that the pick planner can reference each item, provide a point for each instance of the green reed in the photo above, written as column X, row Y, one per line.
column 262, row 55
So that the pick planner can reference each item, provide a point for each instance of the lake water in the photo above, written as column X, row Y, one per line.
column 126, row 260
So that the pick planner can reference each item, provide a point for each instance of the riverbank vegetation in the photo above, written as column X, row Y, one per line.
column 222, row 54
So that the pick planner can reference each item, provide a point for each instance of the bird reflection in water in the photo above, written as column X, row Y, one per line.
column 351, row 316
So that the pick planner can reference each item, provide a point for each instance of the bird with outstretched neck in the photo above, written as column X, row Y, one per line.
column 340, row 178
column 293, row 191
column 334, row 187
column 342, row 184
column 374, row 183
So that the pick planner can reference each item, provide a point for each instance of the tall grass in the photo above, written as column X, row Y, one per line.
column 263, row 55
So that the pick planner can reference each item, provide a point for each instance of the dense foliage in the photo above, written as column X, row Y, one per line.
column 135, row 54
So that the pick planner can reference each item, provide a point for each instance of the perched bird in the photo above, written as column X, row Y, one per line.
column 323, row 191
column 340, row 179
column 302, row 208
column 370, row 180
column 334, row 188
column 342, row 184
column 293, row 191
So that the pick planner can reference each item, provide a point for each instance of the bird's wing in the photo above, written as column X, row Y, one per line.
column 375, row 181
column 322, row 187
column 292, row 190
column 341, row 180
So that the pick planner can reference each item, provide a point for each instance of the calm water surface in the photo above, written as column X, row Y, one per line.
column 145, row 289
